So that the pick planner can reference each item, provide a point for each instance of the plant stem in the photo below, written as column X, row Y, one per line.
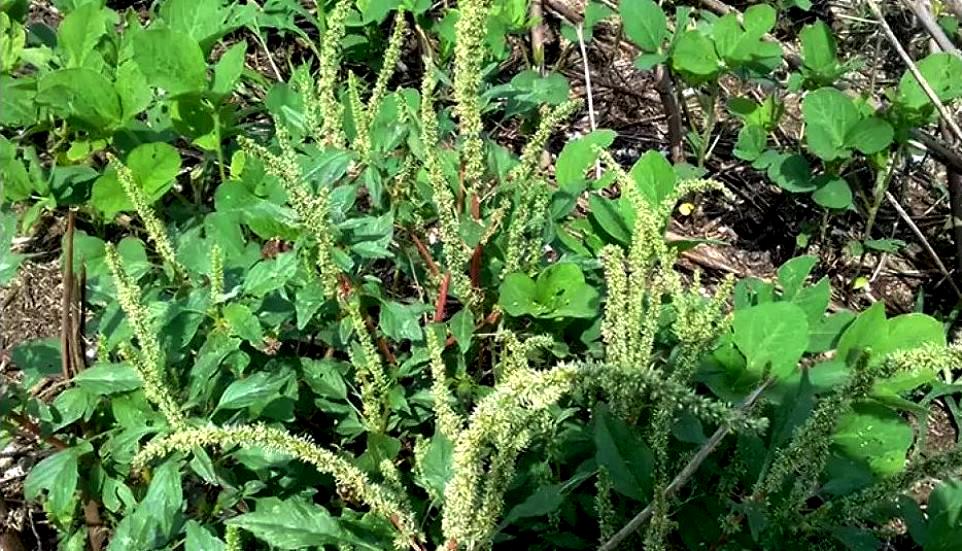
column 709, row 124
column 878, row 195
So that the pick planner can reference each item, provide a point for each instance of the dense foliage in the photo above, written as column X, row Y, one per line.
column 331, row 311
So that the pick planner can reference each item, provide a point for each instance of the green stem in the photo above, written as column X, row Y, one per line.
column 878, row 194
column 709, row 125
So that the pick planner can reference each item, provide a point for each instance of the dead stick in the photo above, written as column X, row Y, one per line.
column 925, row 242
column 66, row 299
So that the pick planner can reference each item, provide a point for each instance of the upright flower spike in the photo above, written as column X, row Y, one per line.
column 313, row 210
column 216, row 274
column 456, row 253
column 233, row 539
column 522, row 249
column 449, row 422
column 392, row 56
column 362, row 137
column 371, row 379
column 381, row 500
column 531, row 155
column 469, row 53
column 331, row 132
column 148, row 360
column 156, row 232
column 499, row 429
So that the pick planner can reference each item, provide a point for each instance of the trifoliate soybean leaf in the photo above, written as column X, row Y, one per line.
column 875, row 435
column 868, row 331
column 171, row 60
column 80, row 31
column 818, row 48
column 792, row 274
column 759, row 19
column 813, row 300
column 829, row 117
column 228, row 69
column 694, row 56
column 774, row 333
column 132, row 88
column 751, row 143
column 791, row 173
column 944, row 511
column 290, row 524
column 626, row 456
column 203, row 22
column 726, row 33
column 243, row 323
column 646, row 62
column 654, row 177
column 578, row 155
column 833, row 193
column 108, row 378
column 82, row 95
column 943, row 71
column 871, row 135
column 644, row 23
column 825, row 334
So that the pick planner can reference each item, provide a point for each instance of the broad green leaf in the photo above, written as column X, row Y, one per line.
column 200, row 539
column 833, row 193
column 818, row 48
column 871, row 135
column 9, row 261
column 82, row 95
column 290, row 523
column 542, row 501
column 694, row 55
column 309, row 300
column 654, row 177
column 944, row 510
column 271, row 274
column 825, row 334
column 132, row 88
column 773, row 334
column 244, row 323
column 752, row 141
column 759, row 19
column 793, row 273
column 943, row 71
column 256, row 391
column 578, row 155
column 875, row 435
column 625, row 455
column 813, row 300
column 644, row 23
column 58, row 475
column 436, row 466
column 829, row 118
column 560, row 292
column 108, row 378
column 80, row 31
column 171, row 60
column 324, row 378
column 401, row 321
column 868, row 331
column 157, row 518
column 228, row 69
column 792, row 173
column 201, row 21
column 462, row 327
column 607, row 213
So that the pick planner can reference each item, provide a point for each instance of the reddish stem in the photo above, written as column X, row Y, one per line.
column 442, row 298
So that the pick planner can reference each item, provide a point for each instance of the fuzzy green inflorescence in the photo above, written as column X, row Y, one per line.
column 470, row 31
column 456, row 253
column 501, row 426
column 216, row 274
column 156, row 232
column 362, row 136
column 449, row 422
column 392, row 56
column 148, row 360
column 313, row 209
column 369, row 372
column 381, row 500
column 326, row 109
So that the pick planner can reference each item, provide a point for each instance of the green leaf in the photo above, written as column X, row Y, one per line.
column 269, row 275
column 694, row 56
column 244, row 323
column 324, row 378
column 833, row 194
column 870, row 135
column 108, row 378
column 58, row 475
column 171, row 60
column 578, row 155
column 80, row 31
column 792, row 173
column 204, row 22
column 654, row 177
column 825, row 334
column 154, row 167
column 200, row 539
column 876, row 435
column 157, row 518
column 309, row 300
column 752, row 141
column 542, row 501
column 793, row 273
column 436, row 466
column 644, row 23
column 560, row 292
column 625, row 455
column 945, row 517
column 256, row 391
column 462, row 327
column 607, row 213
column 774, row 333
column 290, row 523
column 759, row 19
column 132, row 88
column 869, row 330
column 9, row 261
column 943, row 71
column 818, row 48
column 82, row 95
column 401, row 321
column 228, row 69
column 829, row 117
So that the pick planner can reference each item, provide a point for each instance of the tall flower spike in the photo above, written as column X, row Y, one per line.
column 233, row 539
column 449, row 422
column 371, row 380
column 313, row 210
column 392, row 56
column 522, row 249
column 148, row 360
column 216, row 274
column 331, row 131
column 531, row 154
column 156, row 231
column 379, row 499
column 469, row 54
column 362, row 137
column 496, row 433
column 456, row 253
